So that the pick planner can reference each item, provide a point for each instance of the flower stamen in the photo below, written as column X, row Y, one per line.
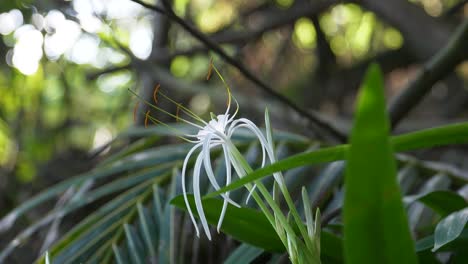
column 146, row 118
column 155, row 93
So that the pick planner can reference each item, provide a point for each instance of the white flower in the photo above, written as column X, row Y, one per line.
column 217, row 133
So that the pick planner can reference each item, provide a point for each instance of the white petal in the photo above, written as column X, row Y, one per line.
column 250, row 194
column 221, row 217
column 228, row 181
column 209, row 169
column 243, row 122
column 184, row 191
column 196, row 193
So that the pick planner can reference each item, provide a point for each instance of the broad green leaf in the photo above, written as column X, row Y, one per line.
column 443, row 202
column 375, row 225
column 427, row 243
column 449, row 228
column 252, row 227
column 244, row 224
column 324, row 155
column 433, row 137
column 331, row 247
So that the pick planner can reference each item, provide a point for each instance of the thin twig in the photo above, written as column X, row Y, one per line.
column 441, row 64
column 315, row 120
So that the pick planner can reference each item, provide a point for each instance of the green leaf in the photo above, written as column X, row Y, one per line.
column 331, row 247
column 443, row 202
column 133, row 245
column 324, row 155
column 449, row 228
column 119, row 259
column 252, row 227
column 244, row 254
column 375, row 225
column 433, row 137
column 244, row 224
column 143, row 159
column 427, row 243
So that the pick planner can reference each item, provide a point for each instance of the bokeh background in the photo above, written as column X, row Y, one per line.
column 66, row 67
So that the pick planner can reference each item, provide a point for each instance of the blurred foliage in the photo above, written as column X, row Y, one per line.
column 67, row 66
column 50, row 49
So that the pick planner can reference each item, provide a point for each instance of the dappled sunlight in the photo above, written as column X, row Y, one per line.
column 110, row 83
column 62, row 34
column 28, row 49
column 85, row 50
column 180, row 66
column 55, row 35
column 141, row 40
column 355, row 33
column 9, row 21
column 209, row 18
column 304, row 33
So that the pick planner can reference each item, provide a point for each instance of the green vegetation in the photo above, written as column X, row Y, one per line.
column 233, row 132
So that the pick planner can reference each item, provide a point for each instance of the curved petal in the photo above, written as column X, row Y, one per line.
column 197, row 195
column 184, row 191
column 243, row 122
column 228, row 181
column 209, row 170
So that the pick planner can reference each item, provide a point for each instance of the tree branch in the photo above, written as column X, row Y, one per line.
column 442, row 63
column 267, row 21
column 316, row 121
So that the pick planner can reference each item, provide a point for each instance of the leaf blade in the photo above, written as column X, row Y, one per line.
column 449, row 228
column 375, row 224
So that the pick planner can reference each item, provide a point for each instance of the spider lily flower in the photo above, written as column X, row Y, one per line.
column 216, row 133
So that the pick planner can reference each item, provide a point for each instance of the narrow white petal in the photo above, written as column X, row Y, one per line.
column 243, row 122
column 228, row 181
column 221, row 217
column 209, row 169
column 184, row 191
column 196, row 193
column 250, row 194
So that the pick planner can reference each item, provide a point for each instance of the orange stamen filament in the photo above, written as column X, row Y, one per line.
column 146, row 118
column 167, row 113
column 184, row 109
column 155, row 93
column 177, row 132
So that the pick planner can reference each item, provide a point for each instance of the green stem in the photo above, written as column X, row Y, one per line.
column 271, row 202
